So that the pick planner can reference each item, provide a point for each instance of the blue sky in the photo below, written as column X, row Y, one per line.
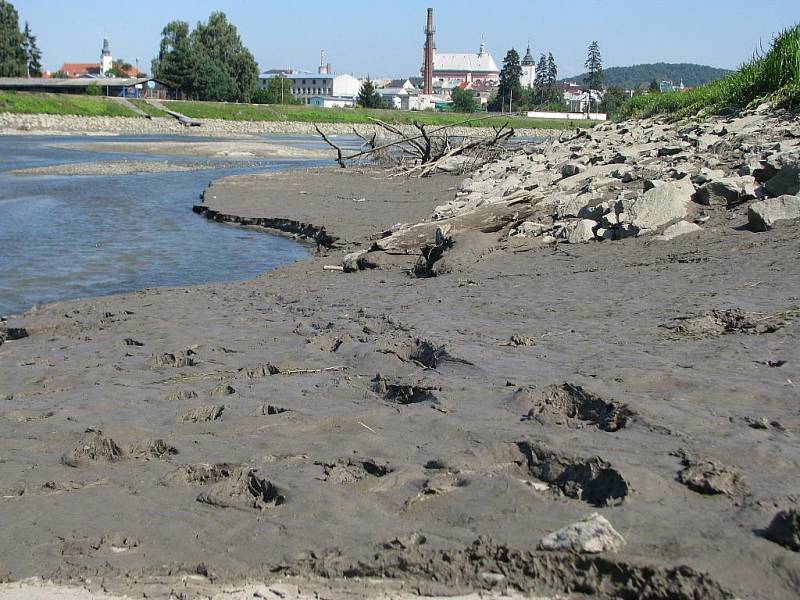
column 385, row 38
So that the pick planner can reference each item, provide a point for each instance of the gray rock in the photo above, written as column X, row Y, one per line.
column 530, row 229
column 678, row 229
column 729, row 191
column 764, row 214
column 571, row 168
column 582, row 232
column 669, row 150
column 350, row 261
column 785, row 529
column 787, row 181
column 591, row 535
column 659, row 206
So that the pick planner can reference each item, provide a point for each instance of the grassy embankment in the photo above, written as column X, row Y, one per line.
column 92, row 106
column 772, row 77
column 62, row 104
column 307, row 114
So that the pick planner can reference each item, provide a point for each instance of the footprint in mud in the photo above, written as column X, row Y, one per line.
column 223, row 389
column 245, row 489
column 202, row 414
column 568, row 404
column 95, row 446
column 174, row 360
column 404, row 393
column 200, row 474
column 149, row 449
column 592, row 480
column 114, row 542
column 260, row 371
column 347, row 471
column 435, row 486
column 724, row 322
column 425, row 353
column 92, row 446
column 182, row 395
column 270, row 410
column 706, row 476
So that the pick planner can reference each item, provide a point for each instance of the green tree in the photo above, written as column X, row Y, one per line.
column 210, row 81
column 368, row 96
column 464, row 101
column 33, row 56
column 509, row 87
column 552, row 71
column 613, row 99
column 219, row 41
column 594, row 76
column 174, row 65
column 654, row 87
column 60, row 75
column 119, row 68
column 278, row 91
column 94, row 89
column 13, row 62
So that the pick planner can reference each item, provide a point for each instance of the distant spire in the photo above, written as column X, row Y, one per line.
column 106, row 47
column 483, row 47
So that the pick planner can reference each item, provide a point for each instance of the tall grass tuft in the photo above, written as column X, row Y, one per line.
column 771, row 76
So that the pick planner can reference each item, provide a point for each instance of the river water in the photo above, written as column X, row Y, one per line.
column 69, row 237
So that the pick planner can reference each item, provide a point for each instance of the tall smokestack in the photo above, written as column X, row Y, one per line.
column 427, row 65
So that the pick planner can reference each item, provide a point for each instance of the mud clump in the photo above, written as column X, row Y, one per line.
column 260, row 371
column 182, row 395
column 199, row 474
column 722, row 322
column 346, row 471
column 149, row 448
column 245, row 489
column 93, row 446
column 592, row 480
column 223, row 389
column 403, row 393
column 568, row 404
column 269, row 410
column 439, row 572
column 706, row 476
column 12, row 333
column 785, row 529
column 176, row 361
column 202, row 414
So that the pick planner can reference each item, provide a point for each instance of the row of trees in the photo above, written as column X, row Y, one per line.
column 208, row 63
column 19, row 54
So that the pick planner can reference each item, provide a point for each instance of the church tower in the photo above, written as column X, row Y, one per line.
column 105, row 58
column 528, row 69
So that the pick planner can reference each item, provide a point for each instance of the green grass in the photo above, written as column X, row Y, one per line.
column 61, row 104
column 773, row 77
column 147, row 108
column 308, row 114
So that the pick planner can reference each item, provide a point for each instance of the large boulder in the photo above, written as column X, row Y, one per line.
column 583, row 231
column 591, row 535
column 787, row 181
column 659, row 206
column 764, row 214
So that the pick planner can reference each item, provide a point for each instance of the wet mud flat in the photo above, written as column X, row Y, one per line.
column 315, row 423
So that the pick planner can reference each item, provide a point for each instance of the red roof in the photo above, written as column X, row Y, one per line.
column 84, row 69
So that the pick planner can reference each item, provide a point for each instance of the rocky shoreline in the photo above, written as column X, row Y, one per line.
column 497, row 395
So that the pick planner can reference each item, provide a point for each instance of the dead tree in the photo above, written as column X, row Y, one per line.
column 423, row 152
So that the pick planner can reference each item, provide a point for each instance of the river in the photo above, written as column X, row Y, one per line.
column 65, row 237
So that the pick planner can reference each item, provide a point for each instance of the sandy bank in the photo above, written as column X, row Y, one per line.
column 122, row 167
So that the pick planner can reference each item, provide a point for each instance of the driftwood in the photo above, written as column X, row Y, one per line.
column 422, row 153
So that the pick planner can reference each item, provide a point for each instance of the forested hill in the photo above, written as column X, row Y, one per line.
column 636, row 75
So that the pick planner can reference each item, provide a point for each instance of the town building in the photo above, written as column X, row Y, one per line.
column 332, row 101
column 324, row 83
column 528, row 65
column 466, row 66
column 73, row 69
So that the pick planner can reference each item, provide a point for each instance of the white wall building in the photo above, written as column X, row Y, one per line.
column 106, row 61
column 528, row 69
column 308, row 85
column 332, row 101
